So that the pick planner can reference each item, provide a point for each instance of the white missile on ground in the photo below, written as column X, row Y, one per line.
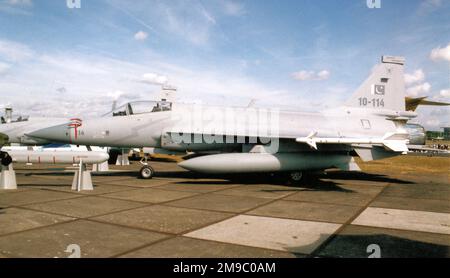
column 82, row 178
column 54, row 157
column 267, row 162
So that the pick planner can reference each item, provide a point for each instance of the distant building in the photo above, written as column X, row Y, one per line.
column 446, row 133
column 439, row 135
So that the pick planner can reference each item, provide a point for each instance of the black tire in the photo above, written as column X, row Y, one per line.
column 146, row 172
column 295, row 177
column 6, row 159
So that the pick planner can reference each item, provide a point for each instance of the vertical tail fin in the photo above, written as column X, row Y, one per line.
column 384, row 88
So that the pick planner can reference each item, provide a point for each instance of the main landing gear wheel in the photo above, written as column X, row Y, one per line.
column 146, row 172
column 295, row 177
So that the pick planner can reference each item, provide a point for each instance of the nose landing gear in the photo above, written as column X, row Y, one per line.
column 146, row 172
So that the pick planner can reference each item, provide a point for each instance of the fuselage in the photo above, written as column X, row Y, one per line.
column 159, row 129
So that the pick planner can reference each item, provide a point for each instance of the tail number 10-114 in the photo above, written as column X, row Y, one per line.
column 375, row 102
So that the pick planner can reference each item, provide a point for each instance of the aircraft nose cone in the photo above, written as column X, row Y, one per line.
column 58, row 133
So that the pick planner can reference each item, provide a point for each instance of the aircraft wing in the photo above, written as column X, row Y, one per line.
column 413, row 103
column 396, row 142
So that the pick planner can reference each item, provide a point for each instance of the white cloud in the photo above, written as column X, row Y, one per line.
column 207, row 15
column 311, row 75
column 418, row 89
column 303, row 75
column 67, row 63
column 416, row 77
column 189, row 21
column 445, row 93
column 140, row 36
column 14, row 52
column 16, row 7
column 433, row 122
column 429, row 6
column 233, row 8
column 4, row 68
column 19, row 2
column 441, row 53
column 185, row 20
column 93, row 82
column 324, row 74
column 154, row 79
column 115, row 95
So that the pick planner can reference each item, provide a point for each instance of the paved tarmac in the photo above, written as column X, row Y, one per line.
column 184, row 214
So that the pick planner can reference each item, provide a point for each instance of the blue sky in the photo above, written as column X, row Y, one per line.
column 310, row 54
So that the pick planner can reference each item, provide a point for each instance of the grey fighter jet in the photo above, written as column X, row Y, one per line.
column 371, row 124
column 17, row 131
column 14, row 129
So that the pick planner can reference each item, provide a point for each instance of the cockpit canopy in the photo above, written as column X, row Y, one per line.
column 140, row 107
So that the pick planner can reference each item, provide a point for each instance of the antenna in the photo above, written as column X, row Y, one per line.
column 8, row 114
column 114, row 105
column 168, row 92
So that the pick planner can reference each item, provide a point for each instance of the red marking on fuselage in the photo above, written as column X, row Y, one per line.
column 75, row 124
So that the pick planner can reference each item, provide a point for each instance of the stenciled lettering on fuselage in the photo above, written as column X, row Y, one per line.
column 377, row 101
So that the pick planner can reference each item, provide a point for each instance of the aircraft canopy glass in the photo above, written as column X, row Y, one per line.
column 140, row 107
